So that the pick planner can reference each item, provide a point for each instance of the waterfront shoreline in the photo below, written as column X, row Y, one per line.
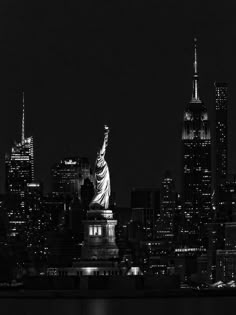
column 111, row 294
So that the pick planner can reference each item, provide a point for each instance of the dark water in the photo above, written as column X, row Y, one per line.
column 175, row 306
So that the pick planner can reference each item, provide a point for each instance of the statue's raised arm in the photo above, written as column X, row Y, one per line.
column 105, row 141
column 102, row 178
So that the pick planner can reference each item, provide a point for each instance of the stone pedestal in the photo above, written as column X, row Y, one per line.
column 99, row 236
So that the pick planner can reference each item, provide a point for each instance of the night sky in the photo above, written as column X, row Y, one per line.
column 125, row 63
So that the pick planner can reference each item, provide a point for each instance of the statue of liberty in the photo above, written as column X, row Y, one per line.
column 102, row 178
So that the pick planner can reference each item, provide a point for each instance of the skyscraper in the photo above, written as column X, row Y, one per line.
column 69, row 174
column 20, row 162
column 221, row 183
column 19, row 172
column 196, row 180
column 221, row 130
column 37, row 222
column 168, row 202
column 145, row 205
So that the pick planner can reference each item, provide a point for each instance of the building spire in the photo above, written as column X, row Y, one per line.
column 23, row 119
column 195, row 96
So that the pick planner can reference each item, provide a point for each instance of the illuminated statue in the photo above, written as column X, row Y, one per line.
column 102, row 178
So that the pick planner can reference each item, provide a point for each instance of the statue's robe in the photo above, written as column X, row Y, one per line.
column 102, row 180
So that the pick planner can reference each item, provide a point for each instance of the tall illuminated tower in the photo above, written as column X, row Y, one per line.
column 196, row 179
column 19, row 172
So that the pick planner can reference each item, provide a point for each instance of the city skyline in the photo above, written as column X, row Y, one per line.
column 118, row 155
column 127, row 85
column 50, row 184
column 67, row 156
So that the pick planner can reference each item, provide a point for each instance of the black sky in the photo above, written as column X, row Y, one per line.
column 124, row 63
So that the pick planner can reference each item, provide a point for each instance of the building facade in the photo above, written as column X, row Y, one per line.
column 19, row 165
column 69, row 174
column 167, row 204
column 221, row 131
column 196, row 176
column 145, row 205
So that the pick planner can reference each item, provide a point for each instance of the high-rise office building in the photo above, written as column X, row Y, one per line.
column 145, row 205
column 37, row 222
column 20, row 166
column 19, row 172
column 216, row 241
column 221, row 131
column 143, row 226
column 178, row 218
column 221, row 184
column 226, row 258
column 167, row 204
column 226, row 196
column 20, row 163
column 196, row 143
column 69, row 174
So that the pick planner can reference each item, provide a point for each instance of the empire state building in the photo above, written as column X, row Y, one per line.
column 196, row 172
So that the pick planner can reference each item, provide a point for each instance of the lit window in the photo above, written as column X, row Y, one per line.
column 95, row 230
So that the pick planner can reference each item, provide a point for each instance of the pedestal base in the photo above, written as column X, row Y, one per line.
column 99, row 236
